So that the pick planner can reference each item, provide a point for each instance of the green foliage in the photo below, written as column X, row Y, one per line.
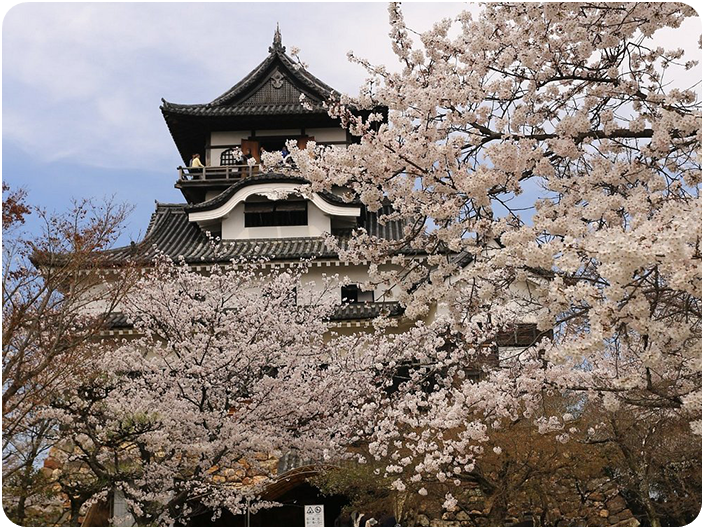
column 368, row 492
column 30, row 499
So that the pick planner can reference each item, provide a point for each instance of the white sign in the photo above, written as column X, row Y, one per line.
column 315, row 516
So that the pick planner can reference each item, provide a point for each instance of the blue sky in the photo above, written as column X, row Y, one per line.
column 82, row 83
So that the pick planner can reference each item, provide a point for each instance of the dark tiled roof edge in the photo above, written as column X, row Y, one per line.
column 348, row 312
column 222, row 105
column 241, row 110
column 278, row 178
column 366, row 311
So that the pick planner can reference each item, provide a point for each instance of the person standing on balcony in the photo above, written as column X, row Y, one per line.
column 195, row 161
column 196, row 166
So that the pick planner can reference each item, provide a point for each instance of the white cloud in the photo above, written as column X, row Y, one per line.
column 85, row 80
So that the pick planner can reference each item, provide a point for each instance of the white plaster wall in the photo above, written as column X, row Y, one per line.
column 95, row 303
column 96, row 299
column 522, row 302
column 233, row 226
column 291, row 133
column 327, row 134
column 323, row 277
column 312, row 284
column 313, row 281
column 212, row 155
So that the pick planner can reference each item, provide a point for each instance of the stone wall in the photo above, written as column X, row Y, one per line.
column 600, row 505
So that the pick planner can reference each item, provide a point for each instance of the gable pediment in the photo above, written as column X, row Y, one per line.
column 269, row 97
column 274, row 89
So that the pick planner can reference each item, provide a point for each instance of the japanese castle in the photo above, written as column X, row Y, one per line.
column 239, row 204
column 227, row 198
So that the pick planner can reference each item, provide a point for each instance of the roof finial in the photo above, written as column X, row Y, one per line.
column 276, row 45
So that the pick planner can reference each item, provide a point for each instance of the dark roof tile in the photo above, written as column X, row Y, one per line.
column 240, row 99
column 367, row 311
column 278, row 178
column 171, row 233
column 352, row 311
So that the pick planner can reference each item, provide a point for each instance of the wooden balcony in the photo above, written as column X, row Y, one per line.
column 227, row 173
column 196, row 182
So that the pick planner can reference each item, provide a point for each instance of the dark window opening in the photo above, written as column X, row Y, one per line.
column 349, row 294
column 279, row 213
column 228, row 158
column 272, row 143
column 353, row 294
column 344, row 226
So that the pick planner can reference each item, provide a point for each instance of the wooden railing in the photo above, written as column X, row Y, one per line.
column 225, row 172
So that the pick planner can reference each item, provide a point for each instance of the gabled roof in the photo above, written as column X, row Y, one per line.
column 273, row 87
column 268, row 97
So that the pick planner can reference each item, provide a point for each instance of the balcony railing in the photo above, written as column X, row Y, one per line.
column 225, row 172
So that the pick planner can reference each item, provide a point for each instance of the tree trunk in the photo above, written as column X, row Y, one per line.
column 20, row 512
column 644, row 490
column 74, row 514
column 497, row 509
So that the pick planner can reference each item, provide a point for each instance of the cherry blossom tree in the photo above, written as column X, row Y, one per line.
column 230, row 372
column 546, row 162
column 556, row 148
column 48, row 327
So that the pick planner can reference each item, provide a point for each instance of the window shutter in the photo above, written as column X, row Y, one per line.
column 251, row 147
column 303, row 140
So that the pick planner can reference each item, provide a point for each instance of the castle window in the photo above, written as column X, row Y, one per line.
column 228, row 158
column 353, row 294
column 276, row 213
column 349, row 294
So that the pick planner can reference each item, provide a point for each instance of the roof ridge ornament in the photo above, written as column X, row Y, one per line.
column 276, row 45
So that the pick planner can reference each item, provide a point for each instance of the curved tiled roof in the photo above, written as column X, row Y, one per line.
column 233, row 101
column 171, row 233
column 346, row 312
column 241, row 110
column 276, row 178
